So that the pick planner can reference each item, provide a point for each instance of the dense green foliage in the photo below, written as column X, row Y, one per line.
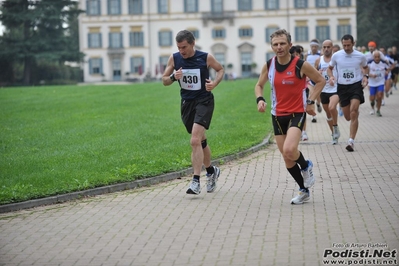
column 36, row 34
column 378, row 21
column 60, row 139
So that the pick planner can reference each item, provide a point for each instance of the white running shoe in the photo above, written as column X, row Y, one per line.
column 212, row 179
column 351, row 145
column 372, row 112
column 194, row 188
column 308, row 177
column 334, row 140
column 303, row 195
column 304, row 136
column 336, row 132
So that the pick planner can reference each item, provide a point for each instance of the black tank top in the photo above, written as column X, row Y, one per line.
column 195, row 71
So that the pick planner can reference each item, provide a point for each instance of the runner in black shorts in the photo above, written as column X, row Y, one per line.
column 329, row 97
column 190, row 68
column 351, row 77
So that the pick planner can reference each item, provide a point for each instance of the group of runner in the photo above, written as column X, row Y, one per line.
column 384, row 71
column 382, row 77
column 328, row 74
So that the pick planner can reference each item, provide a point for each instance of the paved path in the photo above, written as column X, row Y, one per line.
column 248, row 220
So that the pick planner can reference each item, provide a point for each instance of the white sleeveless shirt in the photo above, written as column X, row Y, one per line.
column 323, row 67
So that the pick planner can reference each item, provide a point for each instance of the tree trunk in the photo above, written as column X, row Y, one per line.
column 27, row 58
column 27, row 70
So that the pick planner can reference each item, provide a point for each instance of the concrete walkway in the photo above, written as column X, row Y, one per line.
column 353, row 215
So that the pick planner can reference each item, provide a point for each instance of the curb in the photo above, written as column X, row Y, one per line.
column 124, row 186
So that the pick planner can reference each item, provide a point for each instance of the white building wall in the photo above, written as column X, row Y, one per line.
column 258, row 19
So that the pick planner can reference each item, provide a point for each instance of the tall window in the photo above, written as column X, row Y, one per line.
column 218, row 33
column 195, row 33
column 246, row 62
column 220, row 57
column 245, row 32
column 301, row 34
column 163, row 6
column 136, row 39
column 94, row 40
column 137, row 65
column 344, row 2
column 190, row 6
column 217, row 6
column 115, row 40
column 95, row 65
column 163, row 62
column 271, row 4
column 342, row 30
column 322, row 33
column 116, row 69
column 301, row 3
column 270, row 31
column 114, row 7
column 93, row 7
column 135, row 6
column 322, row 3
column 244, row 5
column 165, row 38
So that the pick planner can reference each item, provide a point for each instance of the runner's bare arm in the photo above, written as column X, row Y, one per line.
column 166, row 80
column 213, row 63
column 263, row 78
column 316, row 77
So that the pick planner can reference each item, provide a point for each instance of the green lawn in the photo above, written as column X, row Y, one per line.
column 60, row 139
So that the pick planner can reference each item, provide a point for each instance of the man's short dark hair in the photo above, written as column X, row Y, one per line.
column 185, row 35
column 295, row 49
column 348, row 37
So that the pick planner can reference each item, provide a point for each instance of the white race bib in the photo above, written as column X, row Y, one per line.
column 348, row 75
column 191, row 79
column 380, row 73
column 324, row 74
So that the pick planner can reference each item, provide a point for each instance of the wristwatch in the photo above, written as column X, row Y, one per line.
column 172, row 77
column 309, row 102
column 366, row 75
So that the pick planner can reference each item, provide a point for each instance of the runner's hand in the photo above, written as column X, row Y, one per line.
column 262, row 106
column 310, row 109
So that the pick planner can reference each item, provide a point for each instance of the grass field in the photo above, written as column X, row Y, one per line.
column 59, row 139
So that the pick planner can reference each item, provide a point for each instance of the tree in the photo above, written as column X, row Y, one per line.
column 36, row 31
column 377, row 21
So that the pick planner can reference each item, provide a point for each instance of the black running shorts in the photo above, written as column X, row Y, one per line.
column 325, row 97
column 197, row 111
column 348, row 92
column 281, row 124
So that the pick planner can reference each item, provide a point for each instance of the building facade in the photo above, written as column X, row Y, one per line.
column 133, row 39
